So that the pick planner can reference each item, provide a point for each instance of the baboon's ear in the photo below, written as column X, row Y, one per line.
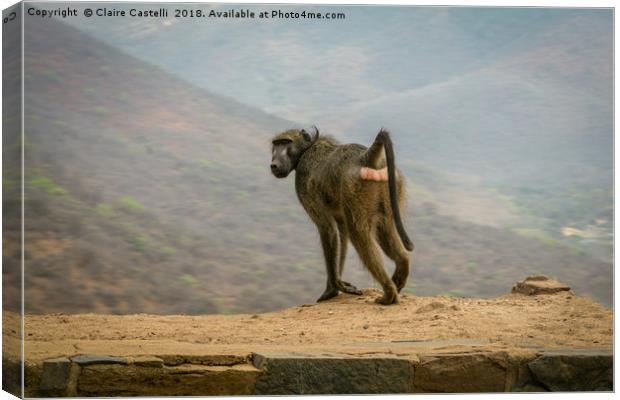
column 306, row 135
column 316, row 134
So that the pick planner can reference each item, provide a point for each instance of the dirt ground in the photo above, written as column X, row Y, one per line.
column 560, row 320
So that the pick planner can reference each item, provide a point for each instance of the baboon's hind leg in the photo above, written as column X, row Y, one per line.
column 371, row 257
column 392, row 245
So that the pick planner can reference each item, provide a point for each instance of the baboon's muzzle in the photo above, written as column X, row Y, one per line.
column 277, row 172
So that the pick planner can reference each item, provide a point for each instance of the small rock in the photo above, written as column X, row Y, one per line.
column 330, row 312
column 365, row 326
column 147, row 361
column 535, row 285
column 254, row 316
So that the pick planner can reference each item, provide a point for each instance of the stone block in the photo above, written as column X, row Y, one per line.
column 57, row 378
column 186, row 380
column 12, row 376
column 55, row 375
column 460, row 373
column 523, row 380
column 574, row 370
column 299, row 373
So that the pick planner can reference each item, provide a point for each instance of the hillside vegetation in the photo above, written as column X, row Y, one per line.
column 514, row 105
column 145, row 193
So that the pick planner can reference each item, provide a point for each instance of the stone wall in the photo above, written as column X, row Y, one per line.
column 322, row 373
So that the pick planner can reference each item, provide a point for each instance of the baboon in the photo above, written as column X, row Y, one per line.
column 350, row 192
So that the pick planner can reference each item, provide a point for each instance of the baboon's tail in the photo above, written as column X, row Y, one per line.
column 383, row 140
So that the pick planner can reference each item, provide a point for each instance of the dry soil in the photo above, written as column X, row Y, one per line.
column 347, row 323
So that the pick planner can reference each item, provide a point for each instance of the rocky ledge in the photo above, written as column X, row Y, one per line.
column 284, row 373
column 308, row 350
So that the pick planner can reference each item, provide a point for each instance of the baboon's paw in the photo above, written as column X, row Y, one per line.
column 346, row 287
column 328, row 294
column 386, row 300
column 399, row 282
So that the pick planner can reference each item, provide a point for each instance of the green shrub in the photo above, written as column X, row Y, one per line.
column 138, row 242
column 101, row 110
column 169, row 251
column 250, row 237
column 207, row 164
column 471, row 265
column 132, row 204
column 8, row 183
column 189, row 280
column 48, row 185
column 105, row 210
column 241, row 195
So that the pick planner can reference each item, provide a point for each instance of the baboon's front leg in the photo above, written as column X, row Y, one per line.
column 329, row 241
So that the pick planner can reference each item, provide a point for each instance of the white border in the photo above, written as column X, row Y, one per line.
column 461, row 3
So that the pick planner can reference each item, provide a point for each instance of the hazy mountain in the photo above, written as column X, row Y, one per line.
column 145, row 193
column 512, row 100
column 374, row 52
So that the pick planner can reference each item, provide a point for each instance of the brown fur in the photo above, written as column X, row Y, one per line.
column 346, row 207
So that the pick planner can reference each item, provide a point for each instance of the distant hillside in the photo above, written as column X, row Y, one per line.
column 534, row 124
column 515, row 101
column 147, row 194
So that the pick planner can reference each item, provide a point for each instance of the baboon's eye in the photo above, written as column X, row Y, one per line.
column 279, row 142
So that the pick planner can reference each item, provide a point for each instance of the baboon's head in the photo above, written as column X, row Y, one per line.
column 287, row 147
